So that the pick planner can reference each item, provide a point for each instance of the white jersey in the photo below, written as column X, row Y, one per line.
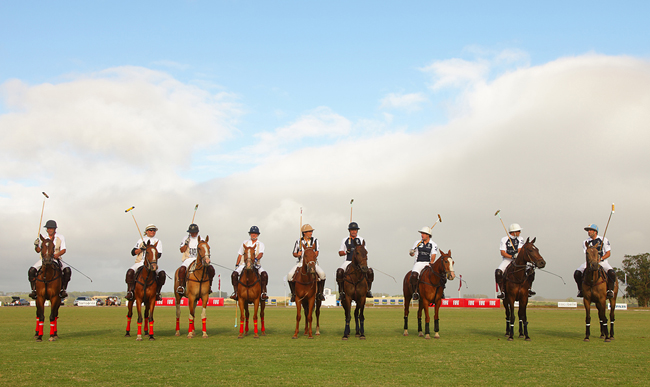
column 141, row 243
column 424, row 251
column 59, row 241
column 311, row 242
column 192, row 247
column 346, row 245
column 604, row 245
column 506, row 244
column 259, row 247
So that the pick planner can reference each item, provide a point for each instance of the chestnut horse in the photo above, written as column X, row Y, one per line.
column 145, row 292
column 355, row 287
column 197, row 287
column 594, row 289
column 249, row 290
column 431, row 286
column 306, row 281
column 516, row 282
column 48, row 287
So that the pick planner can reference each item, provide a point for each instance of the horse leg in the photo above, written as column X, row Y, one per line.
column 310, row 313
column 436, row 326
column 612, row 307
column 191, row 303
column 427, row 318
column 602, row 315
column 356, row 321
column 305, row 310
column 511, row 308
column 204, row 313
column 362, row 319
column 587, row 303
column 256, row 307
column 54, row 315
column 298, row 316
column 247, row 317
column 129, row 314
column 407, row 302
column 139, row 307
column 318, row 303
column 262, row 307
column 347, row 304
column 40, row 314
column 240, row 305
column 420, row 308
column 152, row 306
column 523, row 318
column 178, row 313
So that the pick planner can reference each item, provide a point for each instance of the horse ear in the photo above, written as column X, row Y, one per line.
column 363, row 243
column 527, row 239
column 534, row 239
column 207, row 238
column 42, row 239
column 154, row 245
column 587, row 244
column 449, row 252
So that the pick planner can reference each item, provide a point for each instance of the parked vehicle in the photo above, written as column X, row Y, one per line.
column 17, row 301
column 113, row 301
column 81, row 298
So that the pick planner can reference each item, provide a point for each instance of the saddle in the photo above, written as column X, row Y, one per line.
column 55, row 263
column 602, row 277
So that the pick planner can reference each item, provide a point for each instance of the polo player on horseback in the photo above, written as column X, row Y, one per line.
column 59, row 250
column 346, row 250
column 254, row 234
column 509, row 253
column 307, row 241
column 426, row 251
column 604, row 251
column 138, row 253
column 188, row 248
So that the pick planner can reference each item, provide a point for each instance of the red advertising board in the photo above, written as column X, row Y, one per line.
column 171, row 301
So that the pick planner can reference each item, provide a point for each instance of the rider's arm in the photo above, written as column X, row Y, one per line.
column 59, row 254
column 505, row 255
column 607, row 254
column 259, row 256
column 433, row 258
column 238, row 260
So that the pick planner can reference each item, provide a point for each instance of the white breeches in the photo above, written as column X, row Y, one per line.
column 188, row 262
column 138, row 265
column 604, row 264
column 344, row 265
column 241, row 266
column 39, row 263
column 319, row 271
column 419, row 266
column 504, row 264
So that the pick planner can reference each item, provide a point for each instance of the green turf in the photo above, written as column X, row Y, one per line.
column 471, row 351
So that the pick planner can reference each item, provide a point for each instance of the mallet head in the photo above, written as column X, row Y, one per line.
column 497, row 213
column 129, row 209
column 49, row 197
column 439, row 218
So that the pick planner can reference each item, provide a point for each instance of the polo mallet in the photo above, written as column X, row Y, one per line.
column 546, row 271
column 439, row 220
column 79, row 271
column 195, row 208
column 40, row 222
column 351, row 210
column 300, row 237
column 236, row 309
column 136, row 222
column 610, row 218
column 375, row 269
column 504, row 228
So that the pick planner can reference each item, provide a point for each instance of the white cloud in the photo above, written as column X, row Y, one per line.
column 408, row 102
column 456, row 72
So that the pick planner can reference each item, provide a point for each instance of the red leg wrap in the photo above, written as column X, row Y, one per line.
column 178, row 324
column 203, row 320
column 139, row 329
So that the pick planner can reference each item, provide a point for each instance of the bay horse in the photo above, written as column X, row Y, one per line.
column 145, row 292
column 48, row 287
column 249, row 290
column 431, row 286
column 306, row 281
column 355, row 287
column 594, row 289
column 197, row 287
column 516, row 285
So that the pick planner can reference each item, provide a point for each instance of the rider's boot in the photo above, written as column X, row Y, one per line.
column 264, row 280
column 160, row 281
column 498, row 278
column 31, row 275
column 65, row 278
column 234, row 278
column 211, row 277
column 130, row 284
column 339, row 280
column 415, row 278
column 577, row 276
column 292, row 287
column 321, row 286
column 370, row 276
column 611, row 281
column 531, row 278
column 182, row 273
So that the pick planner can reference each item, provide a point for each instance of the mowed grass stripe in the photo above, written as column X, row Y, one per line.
column 472, row 350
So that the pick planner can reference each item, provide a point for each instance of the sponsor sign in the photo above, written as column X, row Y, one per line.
column 567, row 304
column 617, row 307
column 87, row 303
column 483, row 302
column 171, row 301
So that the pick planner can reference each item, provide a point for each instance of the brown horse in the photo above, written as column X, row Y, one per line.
column 249, row 290
column 516, row 281
column 306, row 281
column 197, row 288
column 145, row 292
column 431, row 287
column 594, row 289
column 355, row 287
column 48, row 287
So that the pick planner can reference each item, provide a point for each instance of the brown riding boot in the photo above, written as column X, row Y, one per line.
column 31, row 276
column 264, row 280
column 182, row 280
column 292, row 287
column 211, row 276
column 65, row 278
column 339, row 280
column 415, row 278
column 234, row 278
column 130, row 284
column 160, row 281
column 370, row 276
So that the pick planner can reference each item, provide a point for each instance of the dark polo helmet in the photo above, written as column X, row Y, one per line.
column 193, row 228
column 353, row 226
column 50, row 224
column 254, row 230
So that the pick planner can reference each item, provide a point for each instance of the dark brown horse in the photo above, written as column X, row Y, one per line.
column 517, row 283
column 306, row 281
column 355, row 287
column 249, row 290
column 145, row 292
column 197, row 287
column 48, row 287
column 431, row 287
column 594, row 289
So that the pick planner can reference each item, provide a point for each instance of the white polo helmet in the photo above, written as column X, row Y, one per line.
column 425, row 230
column 515, row 227
column 150, row 227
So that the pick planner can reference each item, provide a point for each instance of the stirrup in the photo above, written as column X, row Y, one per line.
column 129, row 295
column 610, row 294
column 264, row 296
column 341, row 296
column 234, row 296
column 321, row 297
column 416, row 296
column 158, row 297
column 293, row 298
column 369, row 294
column 531, row 292
column 180, row 290
column 580, row 294
column 501, row 296
column 32, row 295
column 63, row 294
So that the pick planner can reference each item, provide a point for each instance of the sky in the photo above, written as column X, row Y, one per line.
column 257, row 111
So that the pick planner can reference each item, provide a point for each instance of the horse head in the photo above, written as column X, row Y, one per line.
column 151, row 256
column 448, row 264
column 360, row 256
column 309, row 260
column 47, row 251
column 249, row 257
column 202, row 252
column 530, row 253
column 593, row 256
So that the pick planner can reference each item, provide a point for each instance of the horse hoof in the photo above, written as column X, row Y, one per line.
column 436, row 336
column 527, row 338
column 178, row 333
column 427, row 337
column 521, row 336
column 127, row 334
column 256, row 337
column 586, row 339
column 294, row 337
column 357, row 335
column 608, row 340
column 240, row 337
column 510, row 339
column 38, row 340
column 602, row 336
column 362, row 337
column 345, row 338
column 406, row 333
column 420, row 334
column 54, row 338
column 205, row 335
column 151, row 338
column 318, row 333
column 310, row 337
column 138, row 338
column 263, row 333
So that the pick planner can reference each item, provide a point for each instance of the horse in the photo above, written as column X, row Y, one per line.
column 355, row 287
column 197, row 287
column 249, row 290
column 48, row 287
column 516, row 282
column 594, row 289
column 306, row 281
column 431, row 287
column 145, row 292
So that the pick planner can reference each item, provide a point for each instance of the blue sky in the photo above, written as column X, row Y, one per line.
column 203, row 97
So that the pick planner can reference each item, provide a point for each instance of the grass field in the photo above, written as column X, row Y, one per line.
column 471, row 351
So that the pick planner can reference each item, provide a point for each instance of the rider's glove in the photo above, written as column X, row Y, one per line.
column 36, row 242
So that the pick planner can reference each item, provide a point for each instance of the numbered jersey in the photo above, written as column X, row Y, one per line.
column 424, row 251
column 311, row 242
column 506, row 244
column 347, row 246
column 192, row 247
column 603, row 246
